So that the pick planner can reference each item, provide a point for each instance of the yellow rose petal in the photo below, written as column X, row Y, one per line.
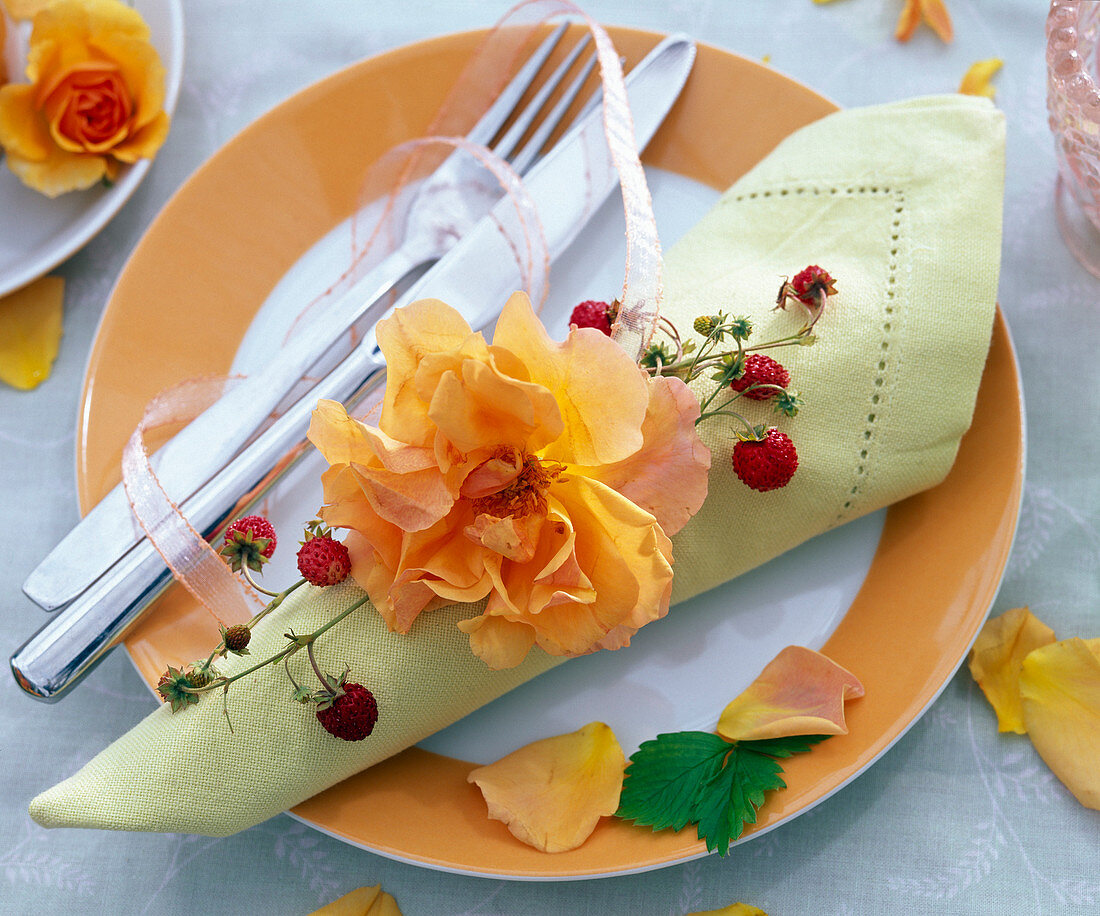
column 30, row 332
column 363, row 901
column 1060, row 689
column 933, row 12
column 996, row 657
column 738, row 909
column 551, row 793
column 976, row 80
column 600, row 391
column 799, row 692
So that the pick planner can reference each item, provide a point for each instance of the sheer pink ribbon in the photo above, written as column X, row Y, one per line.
column 192, row 560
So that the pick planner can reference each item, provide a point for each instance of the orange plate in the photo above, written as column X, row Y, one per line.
column 207, row 263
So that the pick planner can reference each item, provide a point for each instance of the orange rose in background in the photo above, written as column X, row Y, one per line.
column 94, row 99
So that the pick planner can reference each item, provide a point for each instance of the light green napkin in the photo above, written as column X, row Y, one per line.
column 902, row 204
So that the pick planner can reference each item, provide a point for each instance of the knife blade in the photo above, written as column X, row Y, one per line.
column 476, row 277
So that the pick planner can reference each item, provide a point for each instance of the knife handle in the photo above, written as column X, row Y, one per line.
column 78, row 637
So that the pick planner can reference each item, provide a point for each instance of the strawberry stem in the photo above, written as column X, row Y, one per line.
column 296, row 644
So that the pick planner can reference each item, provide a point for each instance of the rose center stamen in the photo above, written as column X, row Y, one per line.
column 525, row 494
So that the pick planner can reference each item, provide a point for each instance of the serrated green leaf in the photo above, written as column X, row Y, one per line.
column 730, row 799
column 664, row 777
column 700, row 778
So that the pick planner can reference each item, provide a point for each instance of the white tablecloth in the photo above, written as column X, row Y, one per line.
column 954, row 819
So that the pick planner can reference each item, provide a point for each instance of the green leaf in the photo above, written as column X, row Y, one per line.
column 700, row 778
column 664, row 777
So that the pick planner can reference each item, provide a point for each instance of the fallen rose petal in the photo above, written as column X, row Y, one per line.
column 976, row 80
column 996, row 657
column 1060, row 689
column 30, row 332
column 799, row 692
column 363, row 901
column 932, row 12
column 551, row 793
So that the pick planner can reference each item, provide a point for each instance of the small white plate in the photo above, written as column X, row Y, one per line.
column 38, row 233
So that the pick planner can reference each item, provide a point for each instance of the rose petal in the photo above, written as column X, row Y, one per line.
column 932, row 12
column 477, row 407
column 799, row 692
column 552, row 793
column 424, row 327
column 30, row 332
column 22, row 132
column 976, row 80
column 1060, row 689
column 997, row 656
column 667, row 476
column 363, row 901
column 627, row 558
column 403, row 483
column 498, row 642
column 599, row 390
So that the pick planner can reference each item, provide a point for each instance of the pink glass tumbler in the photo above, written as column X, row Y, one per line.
column 1073, row 101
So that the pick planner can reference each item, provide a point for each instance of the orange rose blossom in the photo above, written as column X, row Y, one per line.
column 543, row 476
column 94, row 98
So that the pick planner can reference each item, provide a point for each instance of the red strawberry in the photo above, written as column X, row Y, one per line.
column 765, row 464
column 761, row 370
column 323, row 561
column 811, row 282
column 351, row 716
column 249, row 541
column 593, row 314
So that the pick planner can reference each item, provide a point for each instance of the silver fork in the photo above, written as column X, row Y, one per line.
column 108, row 531
column 459, row 192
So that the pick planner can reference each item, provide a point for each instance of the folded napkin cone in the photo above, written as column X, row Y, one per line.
column 902, row 204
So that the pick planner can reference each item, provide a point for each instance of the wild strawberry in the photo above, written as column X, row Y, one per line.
column 236, row 638
column 765, row 464
column 350, row 715
column 594, row 314
column 175, row 686
column 761, row 370
column 323, row 561
column 249, row 541
column 812, row 282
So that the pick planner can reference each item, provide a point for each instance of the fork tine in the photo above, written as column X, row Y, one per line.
column 507, row 144
column 505, row 103
column 522, row 160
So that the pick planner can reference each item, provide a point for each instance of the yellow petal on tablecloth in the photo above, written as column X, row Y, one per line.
column 799, row 692
column 552, row 793
column 976, row 79
column 30, row 332
column 996, row 659
column 1060, row 689
column 363, row 901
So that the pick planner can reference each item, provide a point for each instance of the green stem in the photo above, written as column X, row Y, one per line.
column 727, row 413
column 247, row 573
column 298, row 643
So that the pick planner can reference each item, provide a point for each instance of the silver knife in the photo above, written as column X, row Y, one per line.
column 476, row 277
